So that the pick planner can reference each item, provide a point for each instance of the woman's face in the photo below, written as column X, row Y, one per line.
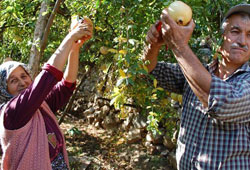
column 18, row 81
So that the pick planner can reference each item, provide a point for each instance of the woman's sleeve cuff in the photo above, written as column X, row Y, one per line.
column 54, row 71
column 68, row 84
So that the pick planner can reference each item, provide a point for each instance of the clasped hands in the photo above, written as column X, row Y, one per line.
column 82, row 32
column 173, row 35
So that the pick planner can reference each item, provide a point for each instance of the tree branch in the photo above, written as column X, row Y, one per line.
column 69, row 105
column 48, row 26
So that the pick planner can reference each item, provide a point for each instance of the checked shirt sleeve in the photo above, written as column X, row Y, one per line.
column 229, row 101
column 169, row 76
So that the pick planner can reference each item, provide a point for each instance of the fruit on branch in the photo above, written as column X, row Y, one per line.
column 104, row 50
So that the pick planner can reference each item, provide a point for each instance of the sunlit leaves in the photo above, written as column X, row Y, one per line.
column 155, row 83
column 121, row 26
column 117, row 98
column 122, row 74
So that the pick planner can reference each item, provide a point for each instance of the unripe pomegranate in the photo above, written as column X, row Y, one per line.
column 180, row 12
column 104, row 50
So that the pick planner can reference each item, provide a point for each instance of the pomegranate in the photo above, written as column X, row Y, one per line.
column 180, row 12
column 104, row 50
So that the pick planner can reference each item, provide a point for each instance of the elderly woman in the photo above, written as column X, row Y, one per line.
column 29, row 132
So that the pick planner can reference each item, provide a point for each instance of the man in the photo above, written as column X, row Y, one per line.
column 215, row 121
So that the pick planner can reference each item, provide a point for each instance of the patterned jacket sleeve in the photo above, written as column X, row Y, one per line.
column 169, row 76
column 229, row 101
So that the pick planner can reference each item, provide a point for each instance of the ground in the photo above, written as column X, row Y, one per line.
column 94, row 148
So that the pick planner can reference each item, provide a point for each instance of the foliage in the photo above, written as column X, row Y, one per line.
column 121, row 26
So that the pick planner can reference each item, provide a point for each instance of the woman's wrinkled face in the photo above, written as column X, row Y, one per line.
column 18, row 81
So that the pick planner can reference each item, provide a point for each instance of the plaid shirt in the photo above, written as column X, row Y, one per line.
column 217, row 137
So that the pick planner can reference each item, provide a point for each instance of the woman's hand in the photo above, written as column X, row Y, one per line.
column 82, row 32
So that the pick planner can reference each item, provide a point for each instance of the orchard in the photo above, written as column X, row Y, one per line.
column 120, row 28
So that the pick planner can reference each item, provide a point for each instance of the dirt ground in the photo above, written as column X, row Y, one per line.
column 96, row 149
column 91, row 148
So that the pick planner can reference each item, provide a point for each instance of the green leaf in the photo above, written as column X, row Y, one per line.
column 120, row 81
column 112, row 101
column 97, row 5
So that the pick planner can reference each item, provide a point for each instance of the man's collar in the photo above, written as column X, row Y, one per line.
column 214, row 65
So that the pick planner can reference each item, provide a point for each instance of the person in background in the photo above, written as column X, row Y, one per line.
column 29, row 133
column 215, row 121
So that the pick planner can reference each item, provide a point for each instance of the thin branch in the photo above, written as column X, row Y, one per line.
column 69, row 105
column 48, row 26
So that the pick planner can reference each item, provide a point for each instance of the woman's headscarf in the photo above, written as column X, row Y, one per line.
column 5, row 70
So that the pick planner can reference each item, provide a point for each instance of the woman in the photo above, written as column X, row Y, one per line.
column 29, row 132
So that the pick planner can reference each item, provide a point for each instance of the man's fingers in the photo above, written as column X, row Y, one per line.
column 149, row 38
column 165, row 18
column 191, row 24
column 155, row 32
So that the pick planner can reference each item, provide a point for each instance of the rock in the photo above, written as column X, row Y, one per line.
column 97, row 107
column 160, row 148
column 97, row 124
column 109, row 122
column 164, row 153
column 97, row 114
column 100, row 102
column 90, row 118
column 104, row 111
column 84, row 161
column 168, row 142
column 151, row 150
column 139, row 121
column 89, row 111
column 127, row 123
column 149, row 138
column 172, row 160
column 133, row 136
column 124, row 156
column 90, row 104
column 157, row 139
column 147, row 144
column 118, row 120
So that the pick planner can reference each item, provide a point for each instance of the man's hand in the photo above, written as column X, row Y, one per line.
column 154, row 37
column 174, row 35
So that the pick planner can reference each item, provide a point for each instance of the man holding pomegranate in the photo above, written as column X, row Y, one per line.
column 215, row 121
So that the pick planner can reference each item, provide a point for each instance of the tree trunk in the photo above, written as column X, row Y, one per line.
column 39, row 30
column 41, row 35
column 49, row 24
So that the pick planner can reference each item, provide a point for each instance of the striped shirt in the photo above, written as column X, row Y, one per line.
column 217, row 137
